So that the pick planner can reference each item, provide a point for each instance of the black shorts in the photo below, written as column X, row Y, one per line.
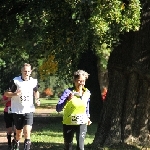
column 8, row 119
column 20, row 120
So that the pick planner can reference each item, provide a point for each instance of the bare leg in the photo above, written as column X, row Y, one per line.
column 27, row 133
column 19, row 134
column 9, row 132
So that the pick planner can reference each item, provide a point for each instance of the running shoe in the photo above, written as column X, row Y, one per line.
column 15, row 145
column 27, row 145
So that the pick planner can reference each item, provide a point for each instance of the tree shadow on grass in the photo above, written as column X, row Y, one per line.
column 51, row 146
column 37, row 146
column 47, row 123
column 3, row 146
column 49, row 127
column 123, row 146
column 54, row 124
column 46, row 146
column 60, row 146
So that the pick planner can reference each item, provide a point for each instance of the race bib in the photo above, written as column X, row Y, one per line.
column 24, row 98
column 9, row 110
column 78, row 119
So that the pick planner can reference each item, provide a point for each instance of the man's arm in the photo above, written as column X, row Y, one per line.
column 11, row 94
column 11, row 90
column 36, row 94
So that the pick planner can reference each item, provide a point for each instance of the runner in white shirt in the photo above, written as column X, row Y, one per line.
column 21, row 90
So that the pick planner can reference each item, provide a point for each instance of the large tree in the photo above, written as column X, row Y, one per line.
column 126, row 112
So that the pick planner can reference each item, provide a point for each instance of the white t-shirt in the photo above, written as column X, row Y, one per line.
column 23, row 103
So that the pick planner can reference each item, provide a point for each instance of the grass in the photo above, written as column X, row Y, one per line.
column 45, row 103
column 47, row 131
column 1, row 108
column 48, row 103
column 49, row 135
column 52, row 101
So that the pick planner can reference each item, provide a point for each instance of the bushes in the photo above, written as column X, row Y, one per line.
column 47, row 93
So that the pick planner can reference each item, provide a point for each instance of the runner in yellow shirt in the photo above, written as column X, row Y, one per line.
column 75, row 104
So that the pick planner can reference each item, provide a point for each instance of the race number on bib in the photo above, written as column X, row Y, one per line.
column 9, row 110
column 24, row 98
column 78, row 119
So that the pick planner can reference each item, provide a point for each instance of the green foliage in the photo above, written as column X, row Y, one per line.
column 55, row 83
column 2, row 62
column 31, row 30
column 109, row 19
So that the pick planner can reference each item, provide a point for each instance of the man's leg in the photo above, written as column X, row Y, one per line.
column 9, row 132
column 27, row 133
column 14, row 130
column 27, row 130
column 18, row 121
column 19, row 134
column 8, row 127
column 8, row 117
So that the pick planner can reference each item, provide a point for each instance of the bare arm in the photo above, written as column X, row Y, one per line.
column 36, row 94
column 11, row 94
column 12, row 90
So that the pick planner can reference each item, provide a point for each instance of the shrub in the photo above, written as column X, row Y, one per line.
column 47, row 92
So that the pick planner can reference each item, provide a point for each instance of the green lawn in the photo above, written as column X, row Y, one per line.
column 45, row 103
column 1, row 108
column 49, row 135
column 51, row 101
column 48, row 102
column 47, row 132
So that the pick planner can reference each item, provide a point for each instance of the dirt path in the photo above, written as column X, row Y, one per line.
column 38, row 113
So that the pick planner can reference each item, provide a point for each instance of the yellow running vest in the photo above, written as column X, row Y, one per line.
column 75, row 110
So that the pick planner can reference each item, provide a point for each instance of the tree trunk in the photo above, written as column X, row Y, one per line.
column 125, row 115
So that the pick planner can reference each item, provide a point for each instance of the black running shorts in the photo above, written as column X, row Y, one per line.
column 20, row 120
column 8, row 119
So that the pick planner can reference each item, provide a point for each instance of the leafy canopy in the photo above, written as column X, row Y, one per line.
column 65, row 29
column 108, row 19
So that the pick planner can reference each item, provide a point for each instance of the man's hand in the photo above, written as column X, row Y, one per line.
column 18, row 92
